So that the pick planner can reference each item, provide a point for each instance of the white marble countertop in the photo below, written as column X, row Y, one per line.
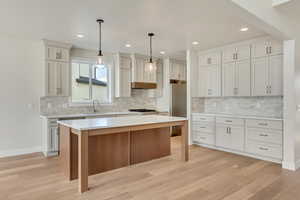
column 241, row 116
column 62, row 116
column 113, row 122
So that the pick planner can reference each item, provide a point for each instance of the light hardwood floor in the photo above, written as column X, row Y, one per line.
column 209, row 174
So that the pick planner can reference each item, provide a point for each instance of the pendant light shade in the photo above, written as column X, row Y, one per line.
column 100, row 55
column 150, row 66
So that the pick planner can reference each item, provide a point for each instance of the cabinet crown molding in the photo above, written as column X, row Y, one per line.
column 57, row 44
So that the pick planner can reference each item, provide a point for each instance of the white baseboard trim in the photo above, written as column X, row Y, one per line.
column 17, row 152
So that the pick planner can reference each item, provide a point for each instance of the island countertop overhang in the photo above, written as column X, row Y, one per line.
column 117, row 122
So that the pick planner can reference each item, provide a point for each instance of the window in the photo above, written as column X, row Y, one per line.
column 89, row 82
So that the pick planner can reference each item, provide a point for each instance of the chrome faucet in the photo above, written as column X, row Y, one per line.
column 94, row 105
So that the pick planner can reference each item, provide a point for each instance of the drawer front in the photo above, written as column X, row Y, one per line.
column 203, row 127
column 230, row 121
column 263, row 149
column 201, row 118
column 204, row 138
column 265, row 124
column 265, row 135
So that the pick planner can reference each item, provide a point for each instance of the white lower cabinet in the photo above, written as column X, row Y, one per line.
column 264, row 138
column 203, row 128
column 230, row 135
column 259, row 138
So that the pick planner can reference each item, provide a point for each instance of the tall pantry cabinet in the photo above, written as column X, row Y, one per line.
column 57, row 69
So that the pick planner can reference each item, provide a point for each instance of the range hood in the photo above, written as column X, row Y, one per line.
column 143, row 85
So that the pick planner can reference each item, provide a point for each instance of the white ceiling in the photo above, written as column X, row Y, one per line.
column 176, row 23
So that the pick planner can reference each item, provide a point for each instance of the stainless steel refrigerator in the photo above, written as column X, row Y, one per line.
column 178, row 103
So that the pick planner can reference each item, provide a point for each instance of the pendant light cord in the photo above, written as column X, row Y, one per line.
column 100, row 21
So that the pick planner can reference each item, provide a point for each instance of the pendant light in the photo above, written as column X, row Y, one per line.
column 150, row 65
column 100, row 55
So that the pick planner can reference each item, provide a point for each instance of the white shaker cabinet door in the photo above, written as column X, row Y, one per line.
column 243, row 80
column 243, row 52
column 275, row 77
column 275, row 47
column 52, row 79
column 223, row 138
column 64, row 79
column 229, row 79
column 237, row 138
column 214, row 81
column 229, row 55
column 203, row 81
column 260, row 76
column 260, row 49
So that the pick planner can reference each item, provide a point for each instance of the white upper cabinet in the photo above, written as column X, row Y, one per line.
column 210, row 59
column 236, row 53
column 210, row 75
column 236, row 71
column 266, row 47
column 236, row 78
column 57, row 54
column 275, row 75
column 267, row 68
column 122, row 75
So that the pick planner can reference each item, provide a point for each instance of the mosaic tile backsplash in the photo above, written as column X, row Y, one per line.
column 252, row 106
column 61, row 105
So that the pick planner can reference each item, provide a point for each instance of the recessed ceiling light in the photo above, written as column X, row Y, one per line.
column 195, row 43
column 162, row 52
column 80, row 35
column 244, row 29
column 128, row 45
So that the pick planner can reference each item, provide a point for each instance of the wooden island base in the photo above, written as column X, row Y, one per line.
column 89, row 151
column 112, row 151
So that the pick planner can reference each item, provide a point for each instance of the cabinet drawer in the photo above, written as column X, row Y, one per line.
column 202, row 118
column 263, row 149
column 203, row 127
column 265, row 124
column 265, row 135
column 230, row 121
column 204, row 138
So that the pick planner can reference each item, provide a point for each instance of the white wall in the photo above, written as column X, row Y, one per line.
column 21, row 84
column 284, row 23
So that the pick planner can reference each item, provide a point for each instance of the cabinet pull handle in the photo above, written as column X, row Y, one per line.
column 263, row 124
column 236, row 56
column 203, row 138
column 203, row 127
column 229, row 130
column 228, row 120
column 267, row 50
column 270, row 89
column 270, row 50
column 264, row 149
column 263, row 135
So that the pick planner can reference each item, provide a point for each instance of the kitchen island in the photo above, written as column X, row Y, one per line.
column 91, row 146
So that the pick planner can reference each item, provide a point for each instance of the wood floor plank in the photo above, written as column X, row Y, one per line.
column 209, row 174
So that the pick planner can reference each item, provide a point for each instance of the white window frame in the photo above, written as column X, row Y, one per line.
column 79, row 103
